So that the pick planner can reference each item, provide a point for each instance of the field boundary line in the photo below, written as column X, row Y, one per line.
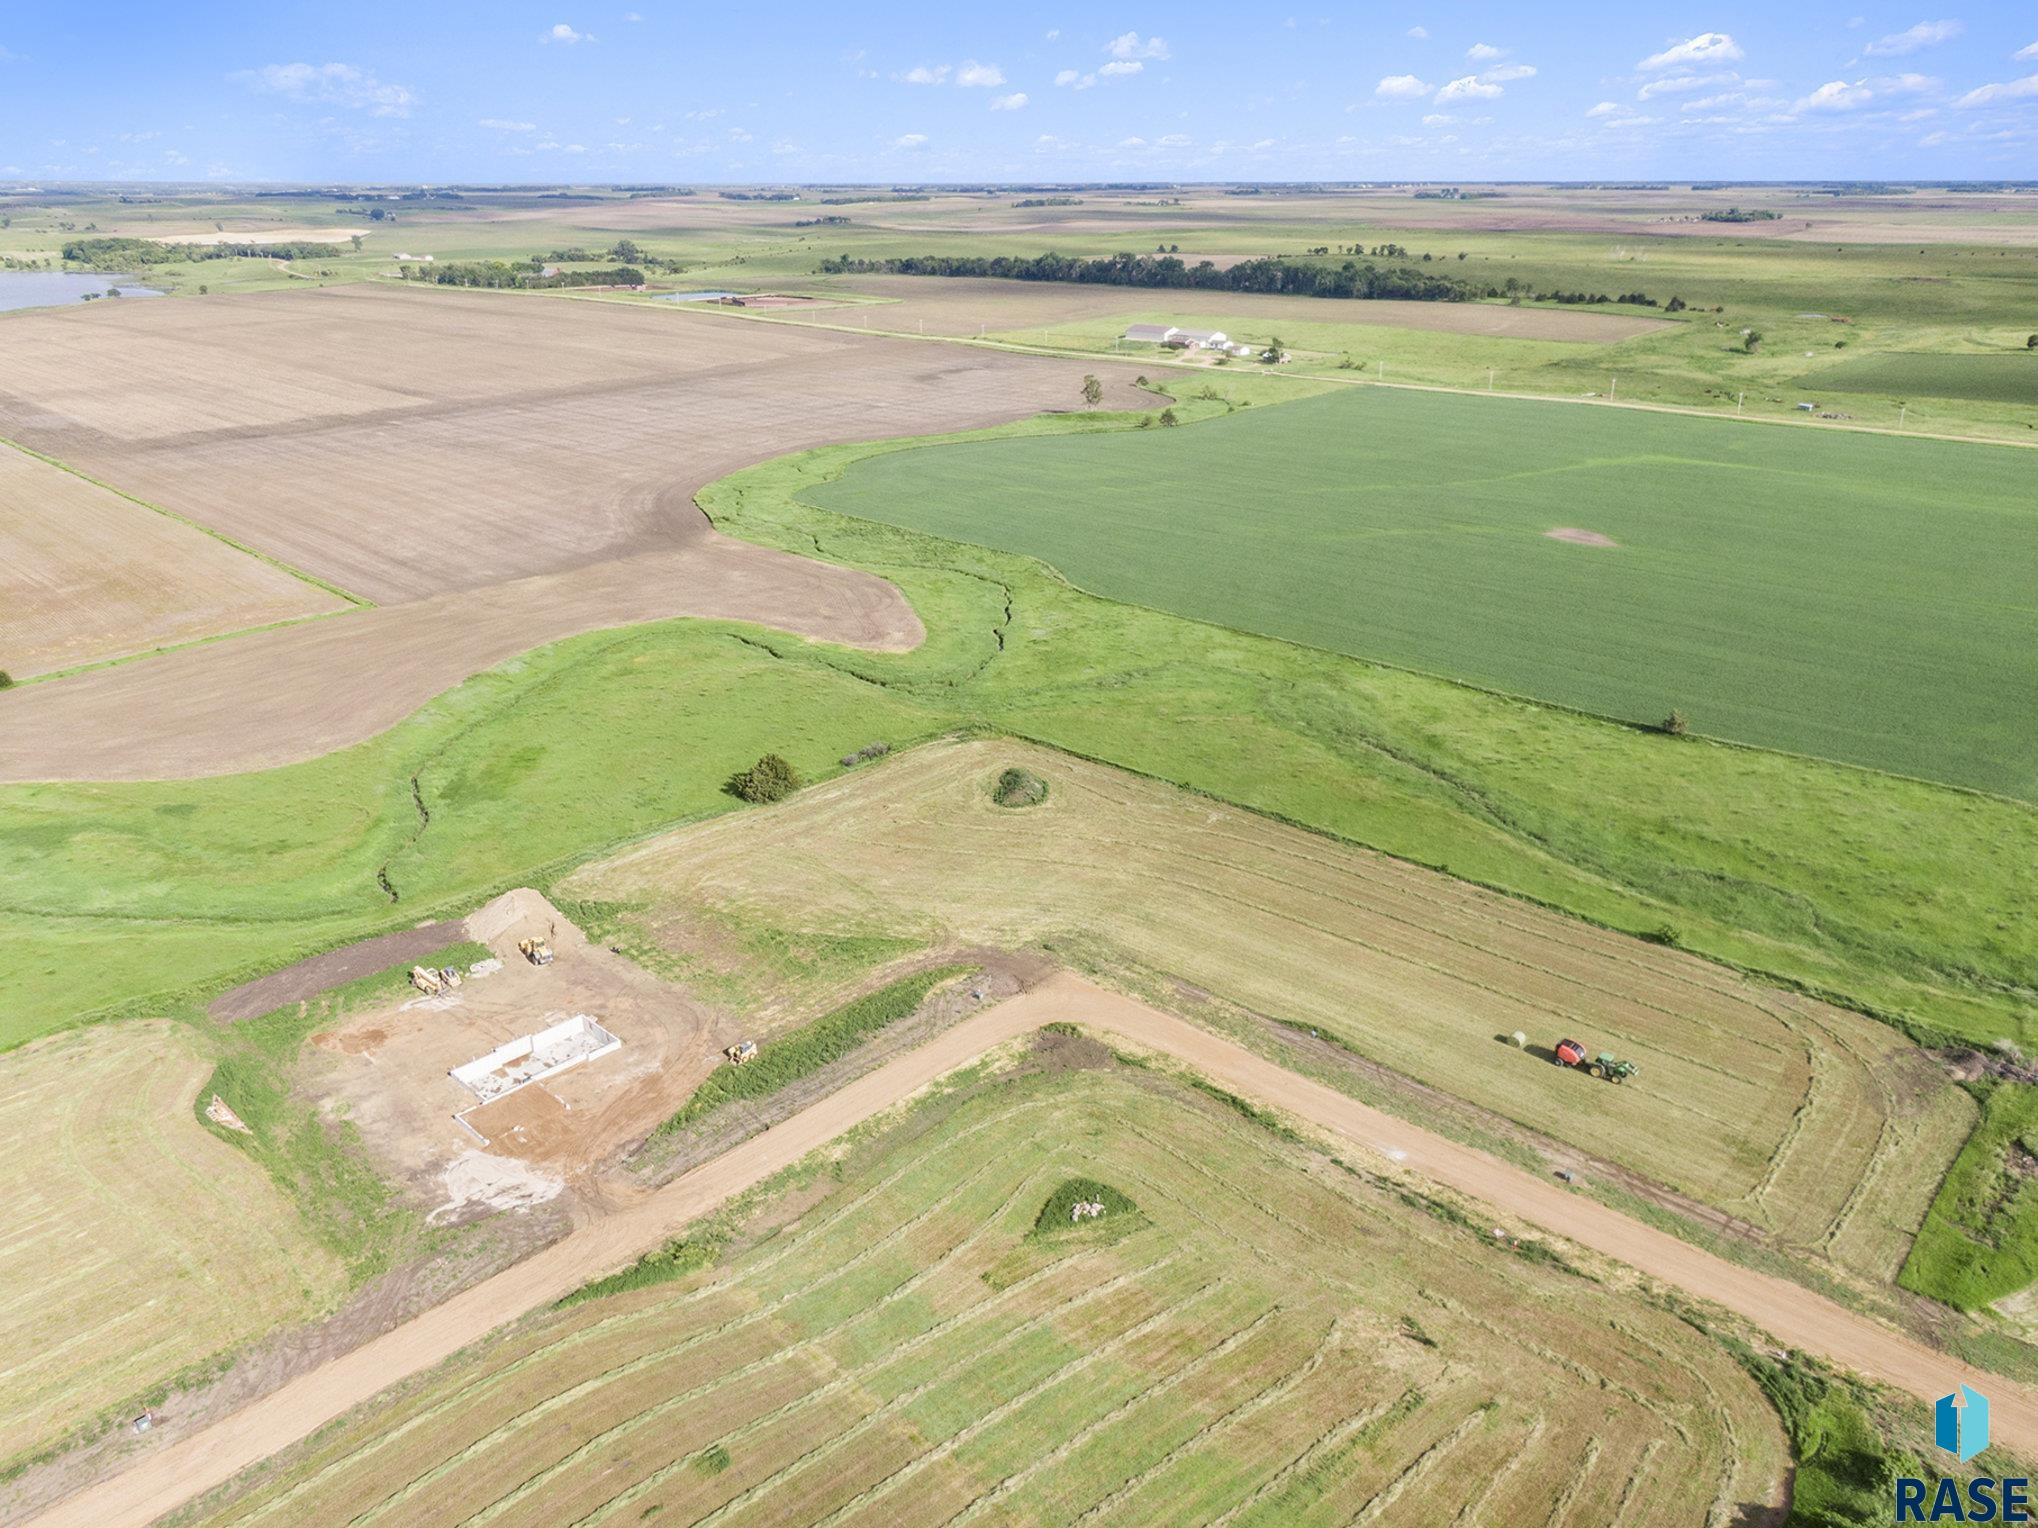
column 205, row 530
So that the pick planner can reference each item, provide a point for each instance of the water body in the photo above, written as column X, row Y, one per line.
column 49, row 289
column 695, row 296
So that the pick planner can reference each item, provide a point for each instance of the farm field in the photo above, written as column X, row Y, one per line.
column 2002, row 377
column 138, row 1242
column 180, row 888
column 900, row 1343
column 450, row 441
column 1852, row 598
column 87, row 575
column 1817, row 1125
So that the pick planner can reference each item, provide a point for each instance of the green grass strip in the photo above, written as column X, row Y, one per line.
column 1980, row 1237
column 807, row 1049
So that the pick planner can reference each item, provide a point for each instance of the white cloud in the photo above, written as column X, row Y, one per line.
column 1836, row 95
column 332, row 84
column 970, row 72
column 1636, row 120
column 499, row 125
column 1988, row 95
column 632, row 16
column 1173, row 141
column 1401, row 87
column 1067, row 77
column 1438, row 119
column 1506, row 72
column 1679, row 84
column 705, row 114
column 562, row 33
column 925, row 74
column 1054, row 34
column 1606, row 109
column 909, row 141
column 1121, row 66
column 739, row 135
column 1479, row 52
column 1010, row 102
column 1128, row 45
column 1924, row 35
column 1132, row 143
column 175, row 156
column 1420, row 34
column 1705, row 48
column 1469, row 88
column 2028, row 51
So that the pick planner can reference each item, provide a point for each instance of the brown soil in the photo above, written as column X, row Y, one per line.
column 1580, row 538
column 498, row 470
column 321, row 973
column 86, row 575
column 178, row 1470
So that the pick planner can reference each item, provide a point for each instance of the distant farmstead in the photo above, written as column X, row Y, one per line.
column 1175, row 338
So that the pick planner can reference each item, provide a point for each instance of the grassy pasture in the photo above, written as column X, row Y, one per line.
column 2001, row 377
column 138, row 1243
column 1277, row 1339
column 1852, row 598
column 1816, row 1124
column 1979, row 1242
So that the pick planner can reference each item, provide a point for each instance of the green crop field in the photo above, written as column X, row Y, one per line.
column 1250, row 1331
column 1851, row 597
column 2001, row 377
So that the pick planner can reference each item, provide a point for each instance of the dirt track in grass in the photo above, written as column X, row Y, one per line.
column 494, row 470
column 178, row 1470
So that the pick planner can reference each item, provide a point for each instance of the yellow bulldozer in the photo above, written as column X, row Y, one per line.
column 537, row 951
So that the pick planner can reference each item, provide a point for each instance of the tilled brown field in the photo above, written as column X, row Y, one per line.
column 1815, row 1124
column 497, row 471
column 87, row 575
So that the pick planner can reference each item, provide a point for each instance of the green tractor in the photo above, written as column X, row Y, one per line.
column 1607, row 1069
column 1603, row 1066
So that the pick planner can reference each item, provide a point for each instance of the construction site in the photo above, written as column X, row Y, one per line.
column 504, row 1087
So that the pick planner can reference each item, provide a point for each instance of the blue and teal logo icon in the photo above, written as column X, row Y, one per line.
column 1960, row 1426
column 1961, row 1423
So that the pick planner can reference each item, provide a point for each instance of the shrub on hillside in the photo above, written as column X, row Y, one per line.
column 771, row 778
column 1674, row 724
column 1019, row 787
column 6, row 680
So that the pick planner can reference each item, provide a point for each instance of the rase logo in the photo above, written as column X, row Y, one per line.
column 1960, row 1427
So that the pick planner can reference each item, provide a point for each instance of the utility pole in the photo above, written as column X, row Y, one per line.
column 1741, row 402
column 1901, row 410
column 1489, row 379
column 1613, row 388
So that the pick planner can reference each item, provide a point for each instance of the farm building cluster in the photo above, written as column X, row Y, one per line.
column 1171, row 337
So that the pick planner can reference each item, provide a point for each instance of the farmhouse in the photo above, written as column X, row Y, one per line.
column 1175, row 338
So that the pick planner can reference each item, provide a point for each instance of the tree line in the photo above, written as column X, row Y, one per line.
column 500, row 273
column 113, row 254
column 1351, row 279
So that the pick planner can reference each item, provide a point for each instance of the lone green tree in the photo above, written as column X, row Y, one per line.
column 1168, row 418
column 1093, row 391
column 771, row 778
column 1751, row 340
column 6, row 680
column 1674, row 724
column 2031, row 343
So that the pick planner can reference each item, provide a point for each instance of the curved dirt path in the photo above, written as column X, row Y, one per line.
column 1793, row 1316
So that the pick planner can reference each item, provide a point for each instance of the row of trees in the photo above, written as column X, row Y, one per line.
column 116, row 254
column 1351, row 279
column 499, row 273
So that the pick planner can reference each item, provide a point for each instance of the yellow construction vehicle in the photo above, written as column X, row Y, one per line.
column 536, row 951
column 741, row 1051
column 427, row 981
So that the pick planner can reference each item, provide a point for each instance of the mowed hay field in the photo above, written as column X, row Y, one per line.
column 1263, row 1338
column 402, row 443
column 1814, row 1123
column 1853, row 597
column 87, row 575
column 1998, row 377
column 137, row 1242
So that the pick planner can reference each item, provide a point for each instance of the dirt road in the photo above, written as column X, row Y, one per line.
column 1793, row 1316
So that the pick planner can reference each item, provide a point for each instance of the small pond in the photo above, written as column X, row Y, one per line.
column 49, row 289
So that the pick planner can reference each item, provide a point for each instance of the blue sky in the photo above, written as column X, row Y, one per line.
column 667, row 93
